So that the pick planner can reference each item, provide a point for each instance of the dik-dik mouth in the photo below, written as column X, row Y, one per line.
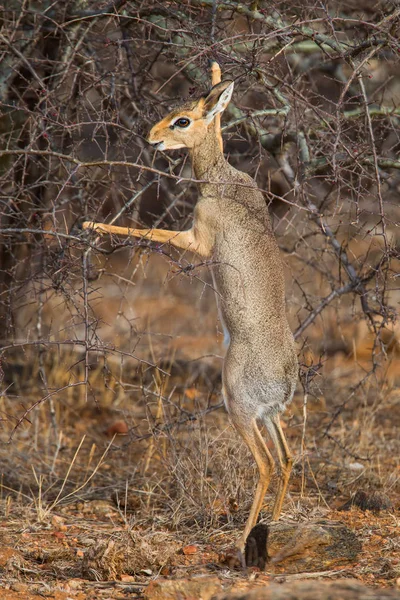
column 158, row 145
column 167, row 145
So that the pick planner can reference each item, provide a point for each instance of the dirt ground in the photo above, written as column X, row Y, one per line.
column 138, row 478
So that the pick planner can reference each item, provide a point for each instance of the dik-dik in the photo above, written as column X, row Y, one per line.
column 231, row 228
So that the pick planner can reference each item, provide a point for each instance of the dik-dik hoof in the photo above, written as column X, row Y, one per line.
column 256, row 552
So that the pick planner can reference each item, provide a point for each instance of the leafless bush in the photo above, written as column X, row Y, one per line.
column 315, row 120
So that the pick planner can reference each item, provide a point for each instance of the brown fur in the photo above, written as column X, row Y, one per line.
column 231, row 227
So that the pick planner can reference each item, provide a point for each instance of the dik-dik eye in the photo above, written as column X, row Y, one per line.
column 182, row 122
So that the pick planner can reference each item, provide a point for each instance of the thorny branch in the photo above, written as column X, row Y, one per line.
column 315, row 119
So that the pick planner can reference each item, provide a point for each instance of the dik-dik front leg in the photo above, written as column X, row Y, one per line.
column 194, row 239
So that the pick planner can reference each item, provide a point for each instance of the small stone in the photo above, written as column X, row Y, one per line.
column 374, row 501
column 117, row 428
column 57, row 522
column 190, row 549
column 356, row 466
column 318, row 545
column 203, row 588
column 128, row 578
column 19, row 587
column 76, row 584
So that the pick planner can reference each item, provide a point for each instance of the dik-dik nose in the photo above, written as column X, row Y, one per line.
column 154, row 138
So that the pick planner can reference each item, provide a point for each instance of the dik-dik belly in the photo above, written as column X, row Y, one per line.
column 250, row 294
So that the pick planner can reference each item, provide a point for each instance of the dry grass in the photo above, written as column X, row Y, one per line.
column 83, row 503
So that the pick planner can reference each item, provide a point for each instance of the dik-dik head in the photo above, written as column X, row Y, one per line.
column 186, row 126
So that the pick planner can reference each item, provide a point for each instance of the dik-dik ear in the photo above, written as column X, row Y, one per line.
column 217, row 99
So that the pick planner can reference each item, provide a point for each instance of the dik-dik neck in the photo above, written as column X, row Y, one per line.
column 207, row 159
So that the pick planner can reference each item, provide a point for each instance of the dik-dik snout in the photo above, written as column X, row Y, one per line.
column 187, row 126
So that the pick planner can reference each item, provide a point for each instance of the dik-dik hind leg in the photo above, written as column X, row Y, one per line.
column 253, row 438
column 184, row 240
column 285, row 461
